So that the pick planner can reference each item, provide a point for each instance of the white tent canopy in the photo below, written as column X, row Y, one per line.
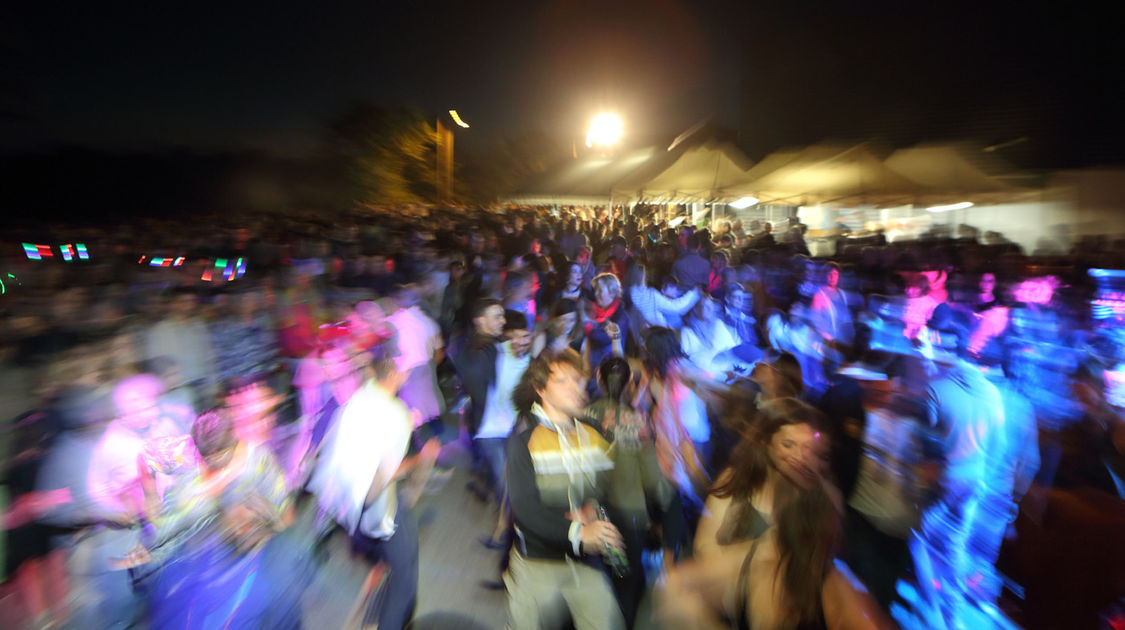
column 830, row 174
column 960, row 172
column 695, row 174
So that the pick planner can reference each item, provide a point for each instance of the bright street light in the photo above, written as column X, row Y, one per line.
column 457, row 119
column 605, row 130
column 743, row 203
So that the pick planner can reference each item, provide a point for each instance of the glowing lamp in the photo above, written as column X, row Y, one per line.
column 744, row 203
column 67, row 253
column 605, row 130
column 82, row 253
column 156, row 261
column 950, row 207
column 457, row 119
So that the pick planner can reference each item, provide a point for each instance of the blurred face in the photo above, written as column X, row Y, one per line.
column 833, row 278
column 136, row 404
column 987, row 283
column 253, row 410
column 492, row 321
column 520, row 341
column 583, row 257
column 565, row 323
column 565, row 391
column 799, row 453
column 535, row 248
column 765, row 375
column 603, row 295
column 574, row 278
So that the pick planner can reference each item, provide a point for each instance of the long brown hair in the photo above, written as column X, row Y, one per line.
column 750, row 461
column 808, row 532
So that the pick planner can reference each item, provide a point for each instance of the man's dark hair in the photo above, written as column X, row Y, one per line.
column 662, row 346
column 515, row 280
column 514, row 320
column 613, row 375
column 213, row 431
column 953, row 328
column 383, row 359
column 692, row 242
column 538, row 371
column 483, row 305
column 244, row 381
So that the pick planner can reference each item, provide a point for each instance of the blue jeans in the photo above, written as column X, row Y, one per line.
column 492, row 451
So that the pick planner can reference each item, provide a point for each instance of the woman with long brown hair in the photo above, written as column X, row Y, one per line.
column 786, row 442
column 787, row 579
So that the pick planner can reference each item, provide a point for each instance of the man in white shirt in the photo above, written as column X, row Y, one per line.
column 356, row 483
column 499, row 417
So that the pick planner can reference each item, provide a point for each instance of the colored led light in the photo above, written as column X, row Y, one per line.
column 31, row 251
column 142, row 259
column 179, row 261
column 45, row 251
column 220, row 263
column 82, row 253
column 66, row 253
column 206, row 277
column 156, row 262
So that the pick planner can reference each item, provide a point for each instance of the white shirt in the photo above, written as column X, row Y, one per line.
column 702, row 349
column 372, row 432
column 499, row 412
column 659, row 309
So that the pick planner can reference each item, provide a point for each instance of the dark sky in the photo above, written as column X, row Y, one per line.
column 268, row 75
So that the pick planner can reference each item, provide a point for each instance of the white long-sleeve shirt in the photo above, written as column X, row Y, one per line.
column 656, row 307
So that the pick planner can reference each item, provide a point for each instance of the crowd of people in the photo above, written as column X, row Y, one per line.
column 900, row 434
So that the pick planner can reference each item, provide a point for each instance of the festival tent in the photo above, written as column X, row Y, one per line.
column 827, row 174
column 692, row 174
column 961, row 172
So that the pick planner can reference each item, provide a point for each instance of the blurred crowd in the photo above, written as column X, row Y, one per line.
column 925, row 434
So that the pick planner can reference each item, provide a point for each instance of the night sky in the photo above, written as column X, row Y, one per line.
column 269, row 76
